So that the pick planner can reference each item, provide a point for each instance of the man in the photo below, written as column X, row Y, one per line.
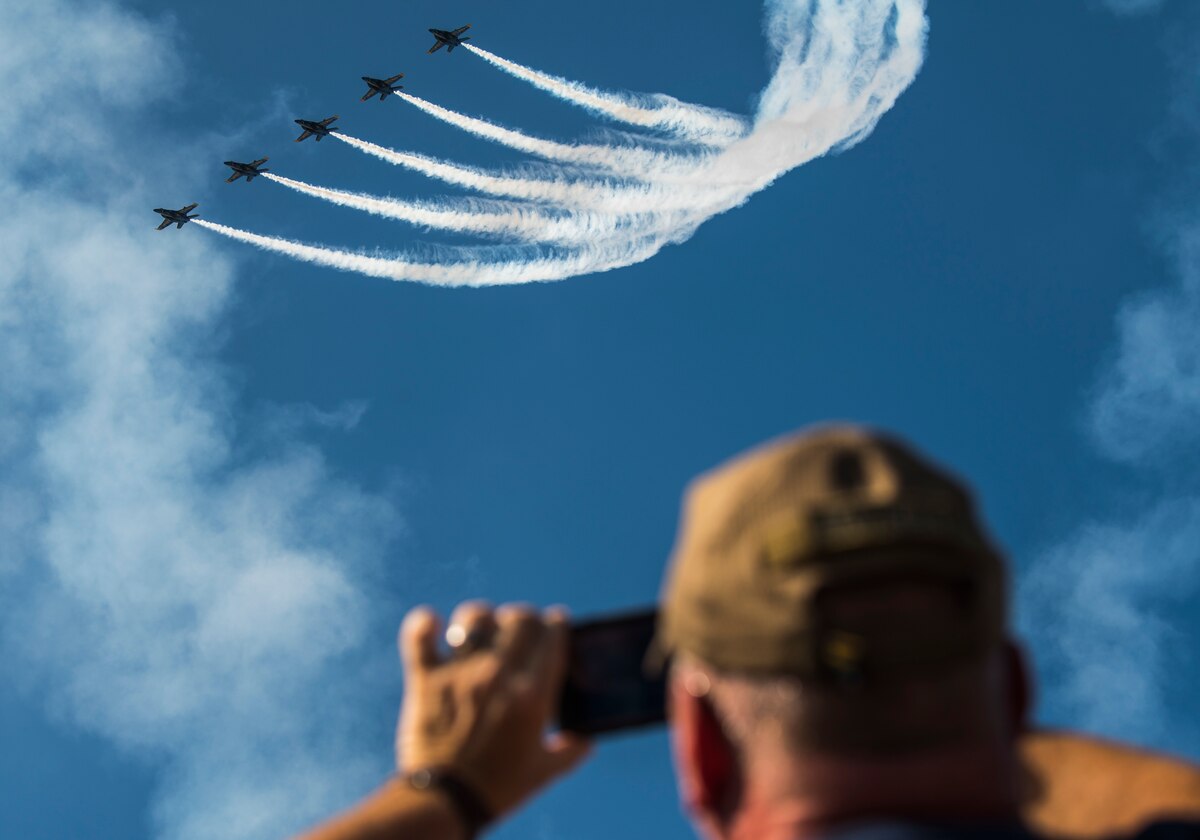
column 835, row 617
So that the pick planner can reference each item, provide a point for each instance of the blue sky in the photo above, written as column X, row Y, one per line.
column 225, row 475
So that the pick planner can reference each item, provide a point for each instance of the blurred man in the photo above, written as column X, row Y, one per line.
column 835, row 619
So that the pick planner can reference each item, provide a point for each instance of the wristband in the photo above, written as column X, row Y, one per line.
column 467, row 804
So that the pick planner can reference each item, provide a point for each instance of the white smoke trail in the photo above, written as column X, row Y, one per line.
column 467, row 273
column 710, row 126
column 562, row 192
column 493, row 218
column 631, row 162
column 723, row 182
column 621, row 197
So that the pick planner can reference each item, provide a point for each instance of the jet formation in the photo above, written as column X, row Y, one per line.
column 249, row 170
column 449, row 40
column 384, row 87
column 179, row 217
column 313, row 128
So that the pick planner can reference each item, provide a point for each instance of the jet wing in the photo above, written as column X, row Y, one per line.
column 328, row 120
column 233, row 177
column 189, row 208
column 165, row 223
column 395, row 78
column 260, row 162
column 436, row 47
column 368, row 95
column 304, row 136
column 461, row 30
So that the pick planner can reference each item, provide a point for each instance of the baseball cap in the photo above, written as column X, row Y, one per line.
column 768, row 537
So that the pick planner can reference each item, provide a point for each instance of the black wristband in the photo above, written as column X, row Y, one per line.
column 468, row 804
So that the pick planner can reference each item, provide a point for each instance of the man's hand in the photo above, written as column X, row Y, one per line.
column 484, row 711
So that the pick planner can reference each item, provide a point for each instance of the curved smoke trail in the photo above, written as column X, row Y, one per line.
column 622, row 197
column 581, row 194
column 489, row 218
column 620, row 160
column 711, row 126
column 840, row 67
column 466, row 273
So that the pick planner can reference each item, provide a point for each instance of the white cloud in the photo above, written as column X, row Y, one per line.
column 1133, row 7
column 208, row 616
column 1097, row 606
column 1148, row 401
column 1102, row 606
column 57, row 58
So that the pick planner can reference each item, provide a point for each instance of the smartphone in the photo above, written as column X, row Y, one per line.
column 610, row 685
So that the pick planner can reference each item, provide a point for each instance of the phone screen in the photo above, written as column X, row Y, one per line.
column 608, row 684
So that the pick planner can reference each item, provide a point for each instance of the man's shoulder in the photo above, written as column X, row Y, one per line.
column 929, row 831
column 1165, row 830
column 1169, row 830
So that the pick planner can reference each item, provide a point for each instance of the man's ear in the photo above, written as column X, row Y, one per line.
column 707, row 764
column 1020, row 686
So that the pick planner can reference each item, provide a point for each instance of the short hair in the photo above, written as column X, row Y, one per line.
column 899, row 715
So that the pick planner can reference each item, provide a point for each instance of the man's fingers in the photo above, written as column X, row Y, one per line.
column 549, row 664
column 472, row 625
column 520, row 633
column 418, row 640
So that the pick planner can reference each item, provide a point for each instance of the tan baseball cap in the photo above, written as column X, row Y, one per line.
column 766, row 536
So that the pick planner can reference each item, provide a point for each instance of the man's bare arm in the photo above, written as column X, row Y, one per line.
column 480, row 716
column 395, row 810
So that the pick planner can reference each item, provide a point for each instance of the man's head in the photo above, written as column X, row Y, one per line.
column 833, row 602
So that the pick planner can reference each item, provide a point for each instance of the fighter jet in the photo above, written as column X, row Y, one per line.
column 247, row 169
column 384, row 87
column 320, row 129
column 450, row 40
column 179, row 218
